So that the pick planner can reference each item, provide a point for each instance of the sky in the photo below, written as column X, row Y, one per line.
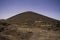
column 50, row 8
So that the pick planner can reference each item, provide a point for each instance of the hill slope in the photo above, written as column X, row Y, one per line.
column 30, row 16
column 32, row 19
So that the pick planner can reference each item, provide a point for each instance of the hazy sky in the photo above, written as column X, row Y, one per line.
column 50, row 8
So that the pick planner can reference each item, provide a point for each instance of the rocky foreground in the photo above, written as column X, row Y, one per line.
column 14, row 32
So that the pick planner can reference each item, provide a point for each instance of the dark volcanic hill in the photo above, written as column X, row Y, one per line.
column 32, row 18
column 29, row 17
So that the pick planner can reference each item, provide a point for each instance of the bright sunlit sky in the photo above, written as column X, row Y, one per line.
column 50, row 8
